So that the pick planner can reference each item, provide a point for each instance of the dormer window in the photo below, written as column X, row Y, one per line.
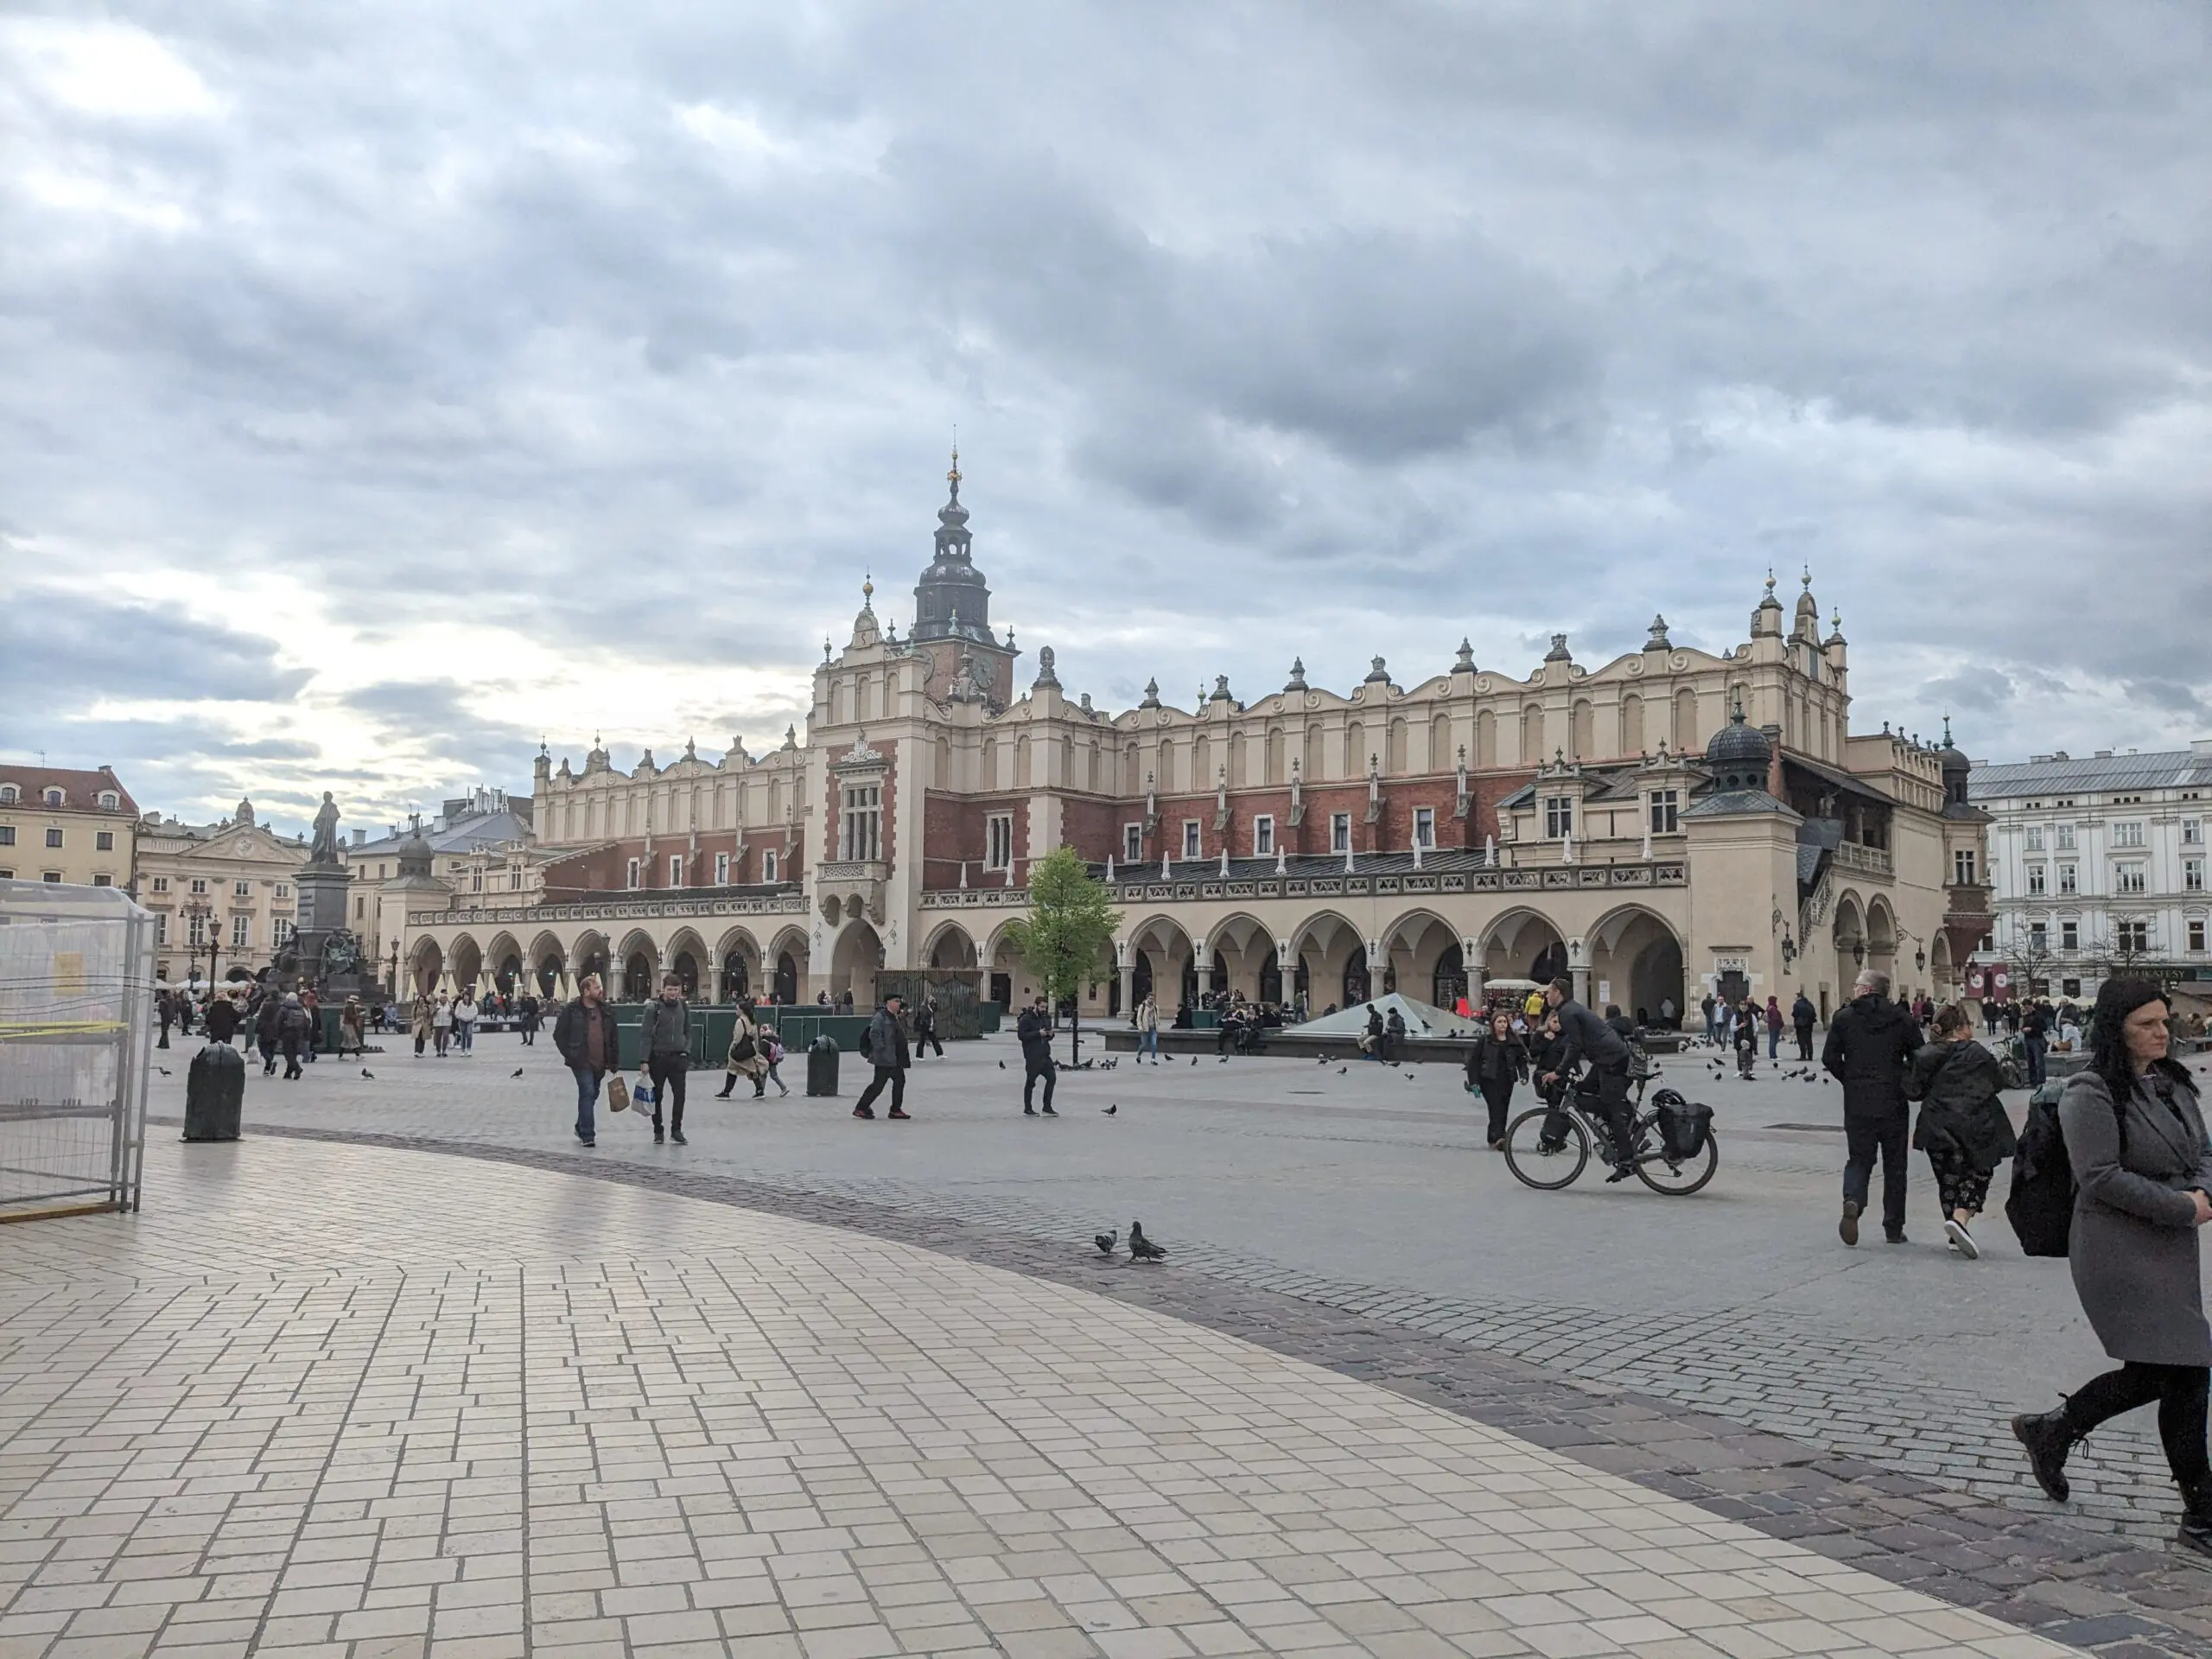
column 7, row 795
column 1559, row 816
column 54, row 797
column 109, row 800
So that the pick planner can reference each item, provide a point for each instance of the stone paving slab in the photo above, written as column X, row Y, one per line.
column 1368, row 1189
column 336, row 1399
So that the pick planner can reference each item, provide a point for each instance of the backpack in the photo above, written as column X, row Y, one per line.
column 2041, row 1207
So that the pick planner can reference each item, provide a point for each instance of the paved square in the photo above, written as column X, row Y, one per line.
column 336, row 1399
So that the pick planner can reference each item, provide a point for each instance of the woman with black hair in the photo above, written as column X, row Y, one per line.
column 1497, row 1061
column 2142, row 1168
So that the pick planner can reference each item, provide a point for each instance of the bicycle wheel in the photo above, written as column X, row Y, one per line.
column 1527, row 1156
column 1675, row 1178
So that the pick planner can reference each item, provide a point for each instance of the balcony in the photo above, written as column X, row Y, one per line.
column 1869, row 861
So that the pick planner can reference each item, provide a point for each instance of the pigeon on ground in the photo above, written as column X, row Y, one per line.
column 1224, row 1059
column 1104, row 1241
column 515, row 1072
column 1194, row 1059
column 163, row 1070
column 1342, row 1070
column 1115, row 1108
column 369, row 1075
column 1142, row 1248
column 1001, row 1066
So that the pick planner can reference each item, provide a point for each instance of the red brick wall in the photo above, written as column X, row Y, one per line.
column 953, row 830
column 606, row 869
column 833, row 804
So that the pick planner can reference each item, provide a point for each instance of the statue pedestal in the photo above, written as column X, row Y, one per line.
column 323, row 888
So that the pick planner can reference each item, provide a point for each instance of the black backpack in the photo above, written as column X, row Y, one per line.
column 2041, row 1207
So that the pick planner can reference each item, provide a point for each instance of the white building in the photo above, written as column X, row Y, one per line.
column 2100, row 869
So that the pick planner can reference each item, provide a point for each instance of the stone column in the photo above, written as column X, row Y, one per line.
column 1577, row 963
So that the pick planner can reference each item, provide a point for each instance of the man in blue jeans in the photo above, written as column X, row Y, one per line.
column 585, row 1035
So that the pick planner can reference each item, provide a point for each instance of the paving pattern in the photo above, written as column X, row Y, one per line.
column 339, row 1398
column 1367, row 1190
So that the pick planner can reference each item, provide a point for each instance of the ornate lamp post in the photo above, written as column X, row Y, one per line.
column 200, row 917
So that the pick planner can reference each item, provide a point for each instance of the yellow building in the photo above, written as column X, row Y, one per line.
column 225, row 895
column 60, row 826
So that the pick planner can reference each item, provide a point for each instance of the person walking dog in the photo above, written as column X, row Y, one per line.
column 886, row 1052
column 2135, row 1135
column 666, row 1040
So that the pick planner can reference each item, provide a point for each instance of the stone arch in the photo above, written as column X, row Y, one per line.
column 1326, row 951
column 426, row 963
column 1132, row 778
column 1685, row 721
column 593, row 955
column 1162, row 961
column 1394, row 747
column 465, row 963
column 737, row 966
column 687, row 958
column 1275, row 767
column 1239, row 950
column 1439, row 744
column 636, row 965
column 503, row 963
column 1942, row 977
column 1882, row 938
column 1636, row 959
column 1582, row 730
column 786, row 964
column 548, row 959
column 949, row 948
column 1531, row 734
column 1847, row 936
column 1354, row 751
column 1413, row 947
column 1521, row 943
column 855, row 960
column 1631, row 732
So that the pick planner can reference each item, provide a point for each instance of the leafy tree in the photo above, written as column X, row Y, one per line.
column 1069, row 926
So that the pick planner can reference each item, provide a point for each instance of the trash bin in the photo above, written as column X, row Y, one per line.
column 821, row 1066
column 214, row 1094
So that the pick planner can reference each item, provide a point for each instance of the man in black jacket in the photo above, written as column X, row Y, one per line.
column 664, row 1035
column 584, row 1035
column 1801, row 1015
column 1871, row 1044
column 1584, row 1037
column 1035, row 1030
column 885, row 1049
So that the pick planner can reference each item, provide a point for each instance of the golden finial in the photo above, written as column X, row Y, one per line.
column 867, row 585
column 1805, row 575
column 953, row 477
column 1769, row 582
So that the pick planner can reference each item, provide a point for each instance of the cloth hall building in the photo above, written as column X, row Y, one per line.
column 1656, row 825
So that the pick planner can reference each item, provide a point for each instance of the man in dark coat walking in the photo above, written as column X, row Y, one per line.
column 886, row 1052
column 1801, row 1016
column 1871, row 1044
column 1035, row 1030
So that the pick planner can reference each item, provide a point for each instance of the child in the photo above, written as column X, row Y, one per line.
column 772, row 1049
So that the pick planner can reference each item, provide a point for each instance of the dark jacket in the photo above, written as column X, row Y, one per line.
column 886, row 1041
column 1957, row 1084
column 292, row 1024
column 665, row 1030
column 1801, row 1013
column 1585, row 1037
column 1491, row 1061
column 1750, row 1020
column 1622, row 1027
column 268, row 1024
column 2134, row 1248
column 569, row 1033
column 1871, row 1042
column 1035, row 1031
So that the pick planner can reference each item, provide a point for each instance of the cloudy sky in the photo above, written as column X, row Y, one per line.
column 382, row 387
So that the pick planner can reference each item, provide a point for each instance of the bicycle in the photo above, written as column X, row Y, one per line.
column 1552, row 1166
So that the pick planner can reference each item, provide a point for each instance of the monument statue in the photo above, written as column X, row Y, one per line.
column 342, row 954
column 324, row 849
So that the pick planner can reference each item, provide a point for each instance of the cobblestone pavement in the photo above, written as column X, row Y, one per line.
column 1368, row 1189
column 336, row 1399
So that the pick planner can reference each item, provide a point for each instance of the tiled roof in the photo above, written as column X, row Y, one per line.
column 81, row 790
column 2161, row 769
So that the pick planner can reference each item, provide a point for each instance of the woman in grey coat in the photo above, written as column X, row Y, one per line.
column 2142, row 1168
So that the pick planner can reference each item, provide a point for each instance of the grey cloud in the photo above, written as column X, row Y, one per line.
column 59, row 647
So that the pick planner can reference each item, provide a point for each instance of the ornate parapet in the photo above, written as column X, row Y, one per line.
column 616, row 907
column 1666, row 873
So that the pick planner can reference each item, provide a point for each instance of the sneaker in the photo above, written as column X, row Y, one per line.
column 1847, row 1229
column 1029, row 1111
column 864, row 1111
column 658, row 1134
column 1961, row 1240
column 782, row 1093
column 586, row 1145
column 1621, row 1172
column 898, row 1115
column 1894, row 1238
column 1049, row 1112
column 676, row 1135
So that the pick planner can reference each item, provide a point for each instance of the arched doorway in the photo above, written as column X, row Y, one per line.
column 1447, row 982
column 1356, row 981
column 1141, row 977
column 737, row 980
column 638, row 977
column 853, row 963
column 427, row 965
column 468, row 964
column 686, row 968
column 1271, row 976
column 1521, row 944
column 786, row 987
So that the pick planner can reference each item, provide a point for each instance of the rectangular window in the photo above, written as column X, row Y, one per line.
column 1988, row 942
column 2069, row 880
column 2192, row 875
column 630, row 872
column 1340, row 832
column 2127, row 835
column 7, row 875
column 283, row 889
column 53, row 837
column 2196, row 935
column 1963, row 863
column 2039, row 936
column 241, row 932
column 2069, row 935
column 284, row 929
column 1424, row 827
column 196, row 930
column 7, row 835
column 1559, row 816
column 2135, row 938
column 2127, row 878
column 103, row 879
column 676, row 869
column 102, row 841
column 199, row 884
column 241, row 889
column 998, row 841
column 1132, row 843
column 861, row 836
column 767, row 866
column 53, row 876
column 1666, row 811
column 161, row 884
column 360, row 909
column 476, row 880
column 2035, row 838
column 2192, row 832
column 721, row 871
column 2034, row 880
column 161, row 927
column 1192, row 847
column 2065, row 841
column 1263, row 837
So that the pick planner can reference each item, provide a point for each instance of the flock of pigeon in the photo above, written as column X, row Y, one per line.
column 1140, row 1247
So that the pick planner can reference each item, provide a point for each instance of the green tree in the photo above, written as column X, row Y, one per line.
column 1069, row 926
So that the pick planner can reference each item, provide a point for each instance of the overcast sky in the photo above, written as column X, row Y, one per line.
column 383, row 387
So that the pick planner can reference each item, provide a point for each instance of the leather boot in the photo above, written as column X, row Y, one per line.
column 2048, row 1440
column 2196, row 1517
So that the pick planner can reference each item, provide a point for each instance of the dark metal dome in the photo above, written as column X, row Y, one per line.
column 1738, row 753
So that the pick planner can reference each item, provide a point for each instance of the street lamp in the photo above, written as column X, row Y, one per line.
column 201, row 916
column 391, row 976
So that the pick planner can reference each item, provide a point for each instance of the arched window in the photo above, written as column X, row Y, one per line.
column 1393, row 749
column 1021, row 762
column 1533, row 752
column 1440, row 757
column 1582, row 730
column 7, row 794
column 1685, row 738
column 108, row 800
column 1354, row 751
column 1631, row 724
column 54, row 797
column 1486, row 739
column 1271, row 760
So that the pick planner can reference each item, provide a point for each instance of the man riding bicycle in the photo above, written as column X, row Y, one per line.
column 1584, row 1037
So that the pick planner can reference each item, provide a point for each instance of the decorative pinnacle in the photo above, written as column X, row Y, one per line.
column 1769, row 582
column 1946, row 730
column 953, row 477
column 1805, row 575
column 867, row 591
